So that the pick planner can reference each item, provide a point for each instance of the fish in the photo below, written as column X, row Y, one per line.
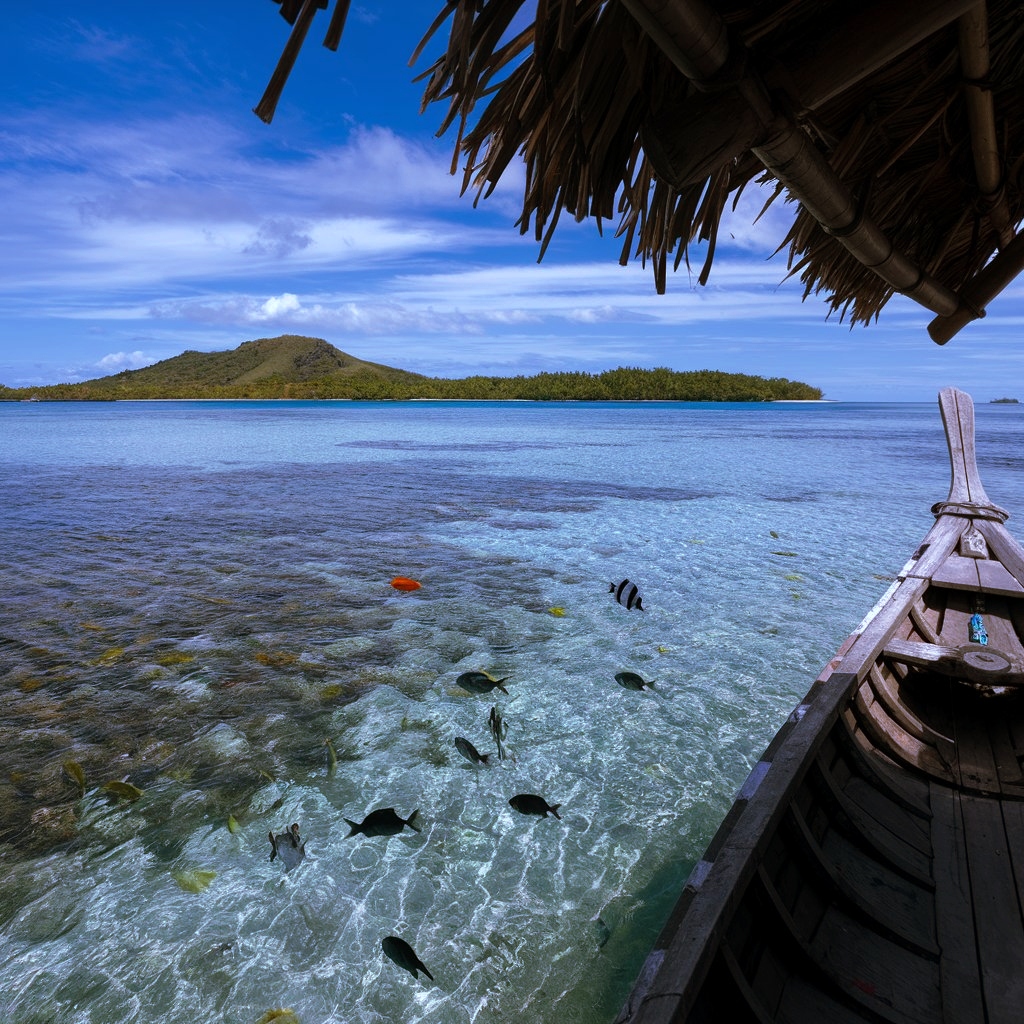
column 289, row 847
column 528, row 803
column 772, row 533
column 627, row 594
column 405, row 584
column 631, row 681
column 383, row 822
column 332, row 758
column 404, row 955
column 499, row 730
column 469, row 752
column 480, row 682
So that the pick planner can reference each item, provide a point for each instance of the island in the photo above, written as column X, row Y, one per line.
column 293, row 366
column 1005, row 401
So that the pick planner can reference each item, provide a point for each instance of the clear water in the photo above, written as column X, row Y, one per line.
column 196, row 597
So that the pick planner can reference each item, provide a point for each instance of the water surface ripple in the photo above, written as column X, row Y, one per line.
column 196, row 599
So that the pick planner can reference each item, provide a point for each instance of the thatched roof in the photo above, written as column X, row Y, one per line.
column 898, row 125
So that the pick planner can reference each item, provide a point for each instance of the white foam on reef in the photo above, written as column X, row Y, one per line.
column 512, row 514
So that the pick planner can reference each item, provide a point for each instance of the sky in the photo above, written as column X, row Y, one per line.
column 145, row 210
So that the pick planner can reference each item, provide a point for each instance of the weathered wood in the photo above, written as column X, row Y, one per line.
column 888, row 736
column 995, row 578
column 922, row 620
column 957, row 572
column 976, row 662
column 957, row 411
column 913, row 652
column 1004, row 547
column 879, row 829
column 954, row 921
column 996, row 911
column 976, row 762
column 882, row 899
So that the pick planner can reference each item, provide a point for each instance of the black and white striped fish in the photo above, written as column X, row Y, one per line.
column 627, row 594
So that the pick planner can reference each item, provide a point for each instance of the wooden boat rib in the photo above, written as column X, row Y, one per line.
column 872, row 865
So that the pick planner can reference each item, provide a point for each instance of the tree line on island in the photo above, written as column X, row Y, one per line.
column 310, row 368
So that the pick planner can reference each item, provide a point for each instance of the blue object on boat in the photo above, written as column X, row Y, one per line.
column 979, row 634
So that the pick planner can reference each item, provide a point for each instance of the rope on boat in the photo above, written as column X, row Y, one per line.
column 971, row 510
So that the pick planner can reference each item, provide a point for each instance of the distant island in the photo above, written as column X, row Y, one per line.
column 292, row 366
column 1005, row 401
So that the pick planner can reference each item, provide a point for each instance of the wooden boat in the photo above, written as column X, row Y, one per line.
column 872, row 865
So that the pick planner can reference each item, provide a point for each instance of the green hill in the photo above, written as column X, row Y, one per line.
column 291, row 366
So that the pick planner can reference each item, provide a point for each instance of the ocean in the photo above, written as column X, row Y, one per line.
column 197, row 603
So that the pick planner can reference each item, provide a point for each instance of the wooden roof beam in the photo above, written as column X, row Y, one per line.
column 693, row 36
column 974, row 60
column 1000, row 271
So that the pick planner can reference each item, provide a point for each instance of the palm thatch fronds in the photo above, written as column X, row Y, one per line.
column 897, row 126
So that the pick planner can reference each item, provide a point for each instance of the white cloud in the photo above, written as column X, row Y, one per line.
column 124, row 361
column 279, row 305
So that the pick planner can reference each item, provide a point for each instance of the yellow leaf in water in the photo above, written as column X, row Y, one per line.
column 276, row 659
column 332, row 691
column 175, row 658
column 75, row 773
column 30, row 684
column 109, row 655
column 194, row 879
column 557, row 612
column 233, row 825
column 124, row 790
column 278, row 1017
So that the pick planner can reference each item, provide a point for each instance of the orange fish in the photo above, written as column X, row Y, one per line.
column 404, row 583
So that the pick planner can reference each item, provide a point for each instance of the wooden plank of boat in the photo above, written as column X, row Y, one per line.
column 869, row 868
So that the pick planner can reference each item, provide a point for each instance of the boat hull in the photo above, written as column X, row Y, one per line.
column 870, row 865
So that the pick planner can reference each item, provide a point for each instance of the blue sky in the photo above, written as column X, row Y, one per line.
column 146, row 210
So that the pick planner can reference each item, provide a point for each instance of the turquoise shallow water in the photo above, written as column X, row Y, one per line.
column 196, row 598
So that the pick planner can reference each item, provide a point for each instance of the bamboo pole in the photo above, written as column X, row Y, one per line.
column 683, row 29
column 1001, row 270
column 974, row 60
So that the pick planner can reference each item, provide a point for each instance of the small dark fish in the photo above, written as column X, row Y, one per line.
column 469, row 752
column 289, row 847
column 499, row 730
column 404, row 955
column 631, row 681
column 480, row 682
column 527, row 803
column 627, row 594
column 384, row 822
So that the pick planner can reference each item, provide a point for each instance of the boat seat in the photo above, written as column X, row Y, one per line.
column 977, row 663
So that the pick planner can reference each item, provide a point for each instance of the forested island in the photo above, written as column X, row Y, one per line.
column 291, row 366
